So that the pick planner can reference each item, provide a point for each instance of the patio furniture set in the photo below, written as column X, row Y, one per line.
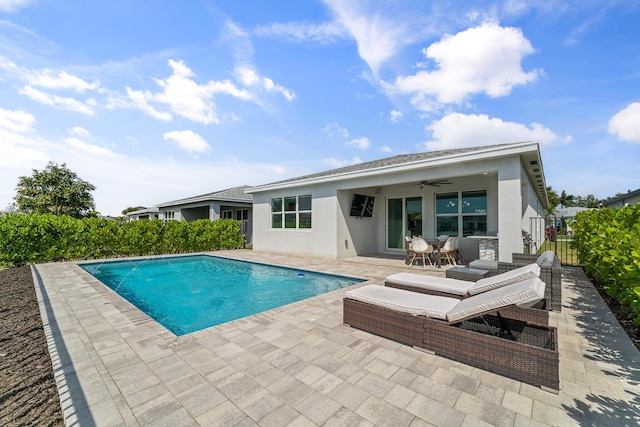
column 442, row 247
column 498, row 323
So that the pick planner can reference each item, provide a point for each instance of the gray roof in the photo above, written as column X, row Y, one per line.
column 391, row 161
column 143, row 211
column 235, row 194
column 622, row 197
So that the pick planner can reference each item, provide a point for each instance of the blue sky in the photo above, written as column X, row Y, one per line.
column 158, row 100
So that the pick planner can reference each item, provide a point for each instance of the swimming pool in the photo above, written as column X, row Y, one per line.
column 188, row 293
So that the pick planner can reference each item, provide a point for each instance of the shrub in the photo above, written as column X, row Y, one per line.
column 608, row 245
column 44, row 237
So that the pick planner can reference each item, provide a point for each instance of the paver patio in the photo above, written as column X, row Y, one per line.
column 299, row 365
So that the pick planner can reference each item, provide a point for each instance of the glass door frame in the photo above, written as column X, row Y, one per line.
column 404, row 225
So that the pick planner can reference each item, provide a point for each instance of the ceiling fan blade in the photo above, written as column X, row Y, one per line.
column 435, row 182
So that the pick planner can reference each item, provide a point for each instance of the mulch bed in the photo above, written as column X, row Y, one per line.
column 28, row 391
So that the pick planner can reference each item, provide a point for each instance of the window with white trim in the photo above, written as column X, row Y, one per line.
column 291, row 212
column 463, row 210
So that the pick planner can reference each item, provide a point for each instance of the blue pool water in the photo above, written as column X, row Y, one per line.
column 189, row 293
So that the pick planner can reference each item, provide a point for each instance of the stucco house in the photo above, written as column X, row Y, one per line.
column 631, row 198
column 485, row 194
column 232, row 203
column 143, row 213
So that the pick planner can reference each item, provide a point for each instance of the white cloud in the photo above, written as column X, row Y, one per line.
column 625, row 124
column 59, row 102
column 187, row 140
column 457, row 130
column 250, row 78
column 16, row 121
column 187, row 98
column 484, row 59
column 19, row 151
column 139, row 100
column 395, row 116
column 338, row 163
column 361, row 143
column 87, row 148
column 323, row 33
column 79, row 131
column 63, row 80
column 10, row 6
column 385, row 149
column 378, row 37
column 333, row 129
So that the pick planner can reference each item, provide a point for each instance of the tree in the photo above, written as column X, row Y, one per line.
column 554, row 200
column 56, row 190
column 589, row 201
column 566, row 200
column 131, row 209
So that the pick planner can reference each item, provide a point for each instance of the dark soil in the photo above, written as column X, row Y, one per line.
column 28, row 391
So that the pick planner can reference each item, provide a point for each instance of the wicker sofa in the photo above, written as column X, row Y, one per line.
column 512, row 348
column 551, row 276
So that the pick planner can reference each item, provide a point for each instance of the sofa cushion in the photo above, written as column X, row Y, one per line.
column 524, row 294
column 403, row 301
column 546, row 259
column 484, row 264
column 509, row 277
column 433, row 283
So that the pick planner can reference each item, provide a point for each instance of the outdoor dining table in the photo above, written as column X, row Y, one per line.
column 437, row 245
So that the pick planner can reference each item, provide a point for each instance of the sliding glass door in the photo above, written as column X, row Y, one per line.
column 395, row 227
column 404, row 218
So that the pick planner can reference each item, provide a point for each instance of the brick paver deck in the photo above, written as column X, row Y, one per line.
column 299, row 365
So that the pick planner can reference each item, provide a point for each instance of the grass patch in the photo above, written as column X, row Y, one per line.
column 562, row 248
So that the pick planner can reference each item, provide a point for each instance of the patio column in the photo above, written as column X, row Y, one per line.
column 509, row 210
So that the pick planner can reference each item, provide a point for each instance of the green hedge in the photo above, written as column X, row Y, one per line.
column 608, row 245
column 28, row 239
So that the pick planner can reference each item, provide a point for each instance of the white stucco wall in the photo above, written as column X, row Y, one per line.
column 509, row 208
column 335, row 234
column 319, row 240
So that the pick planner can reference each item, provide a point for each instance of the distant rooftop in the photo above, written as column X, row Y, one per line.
column 235, row 194
column 623, row 197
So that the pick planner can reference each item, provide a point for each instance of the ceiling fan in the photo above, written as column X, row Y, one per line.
column 435, row 182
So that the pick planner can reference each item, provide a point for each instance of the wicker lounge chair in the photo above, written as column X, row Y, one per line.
column 463, row 289
column 550, row 273
column 463, row 330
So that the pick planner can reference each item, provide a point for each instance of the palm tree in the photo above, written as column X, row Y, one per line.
column 554, row 200
column 566, row 199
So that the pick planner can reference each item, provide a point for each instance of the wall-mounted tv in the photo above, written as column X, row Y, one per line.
column 362, row 205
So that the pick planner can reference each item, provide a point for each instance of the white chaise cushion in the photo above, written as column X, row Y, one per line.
column 404, row 301
column 506, row 278
column 439, row 284
column 546, row 259
column 484, row 264
column 524, row 294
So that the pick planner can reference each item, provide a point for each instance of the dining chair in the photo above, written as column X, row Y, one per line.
column 419, row 246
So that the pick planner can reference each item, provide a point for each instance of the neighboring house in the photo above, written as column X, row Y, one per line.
column 231, row 203
column 143, row 213
column 368, row 208
column 564, row 215
column 631, row 198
